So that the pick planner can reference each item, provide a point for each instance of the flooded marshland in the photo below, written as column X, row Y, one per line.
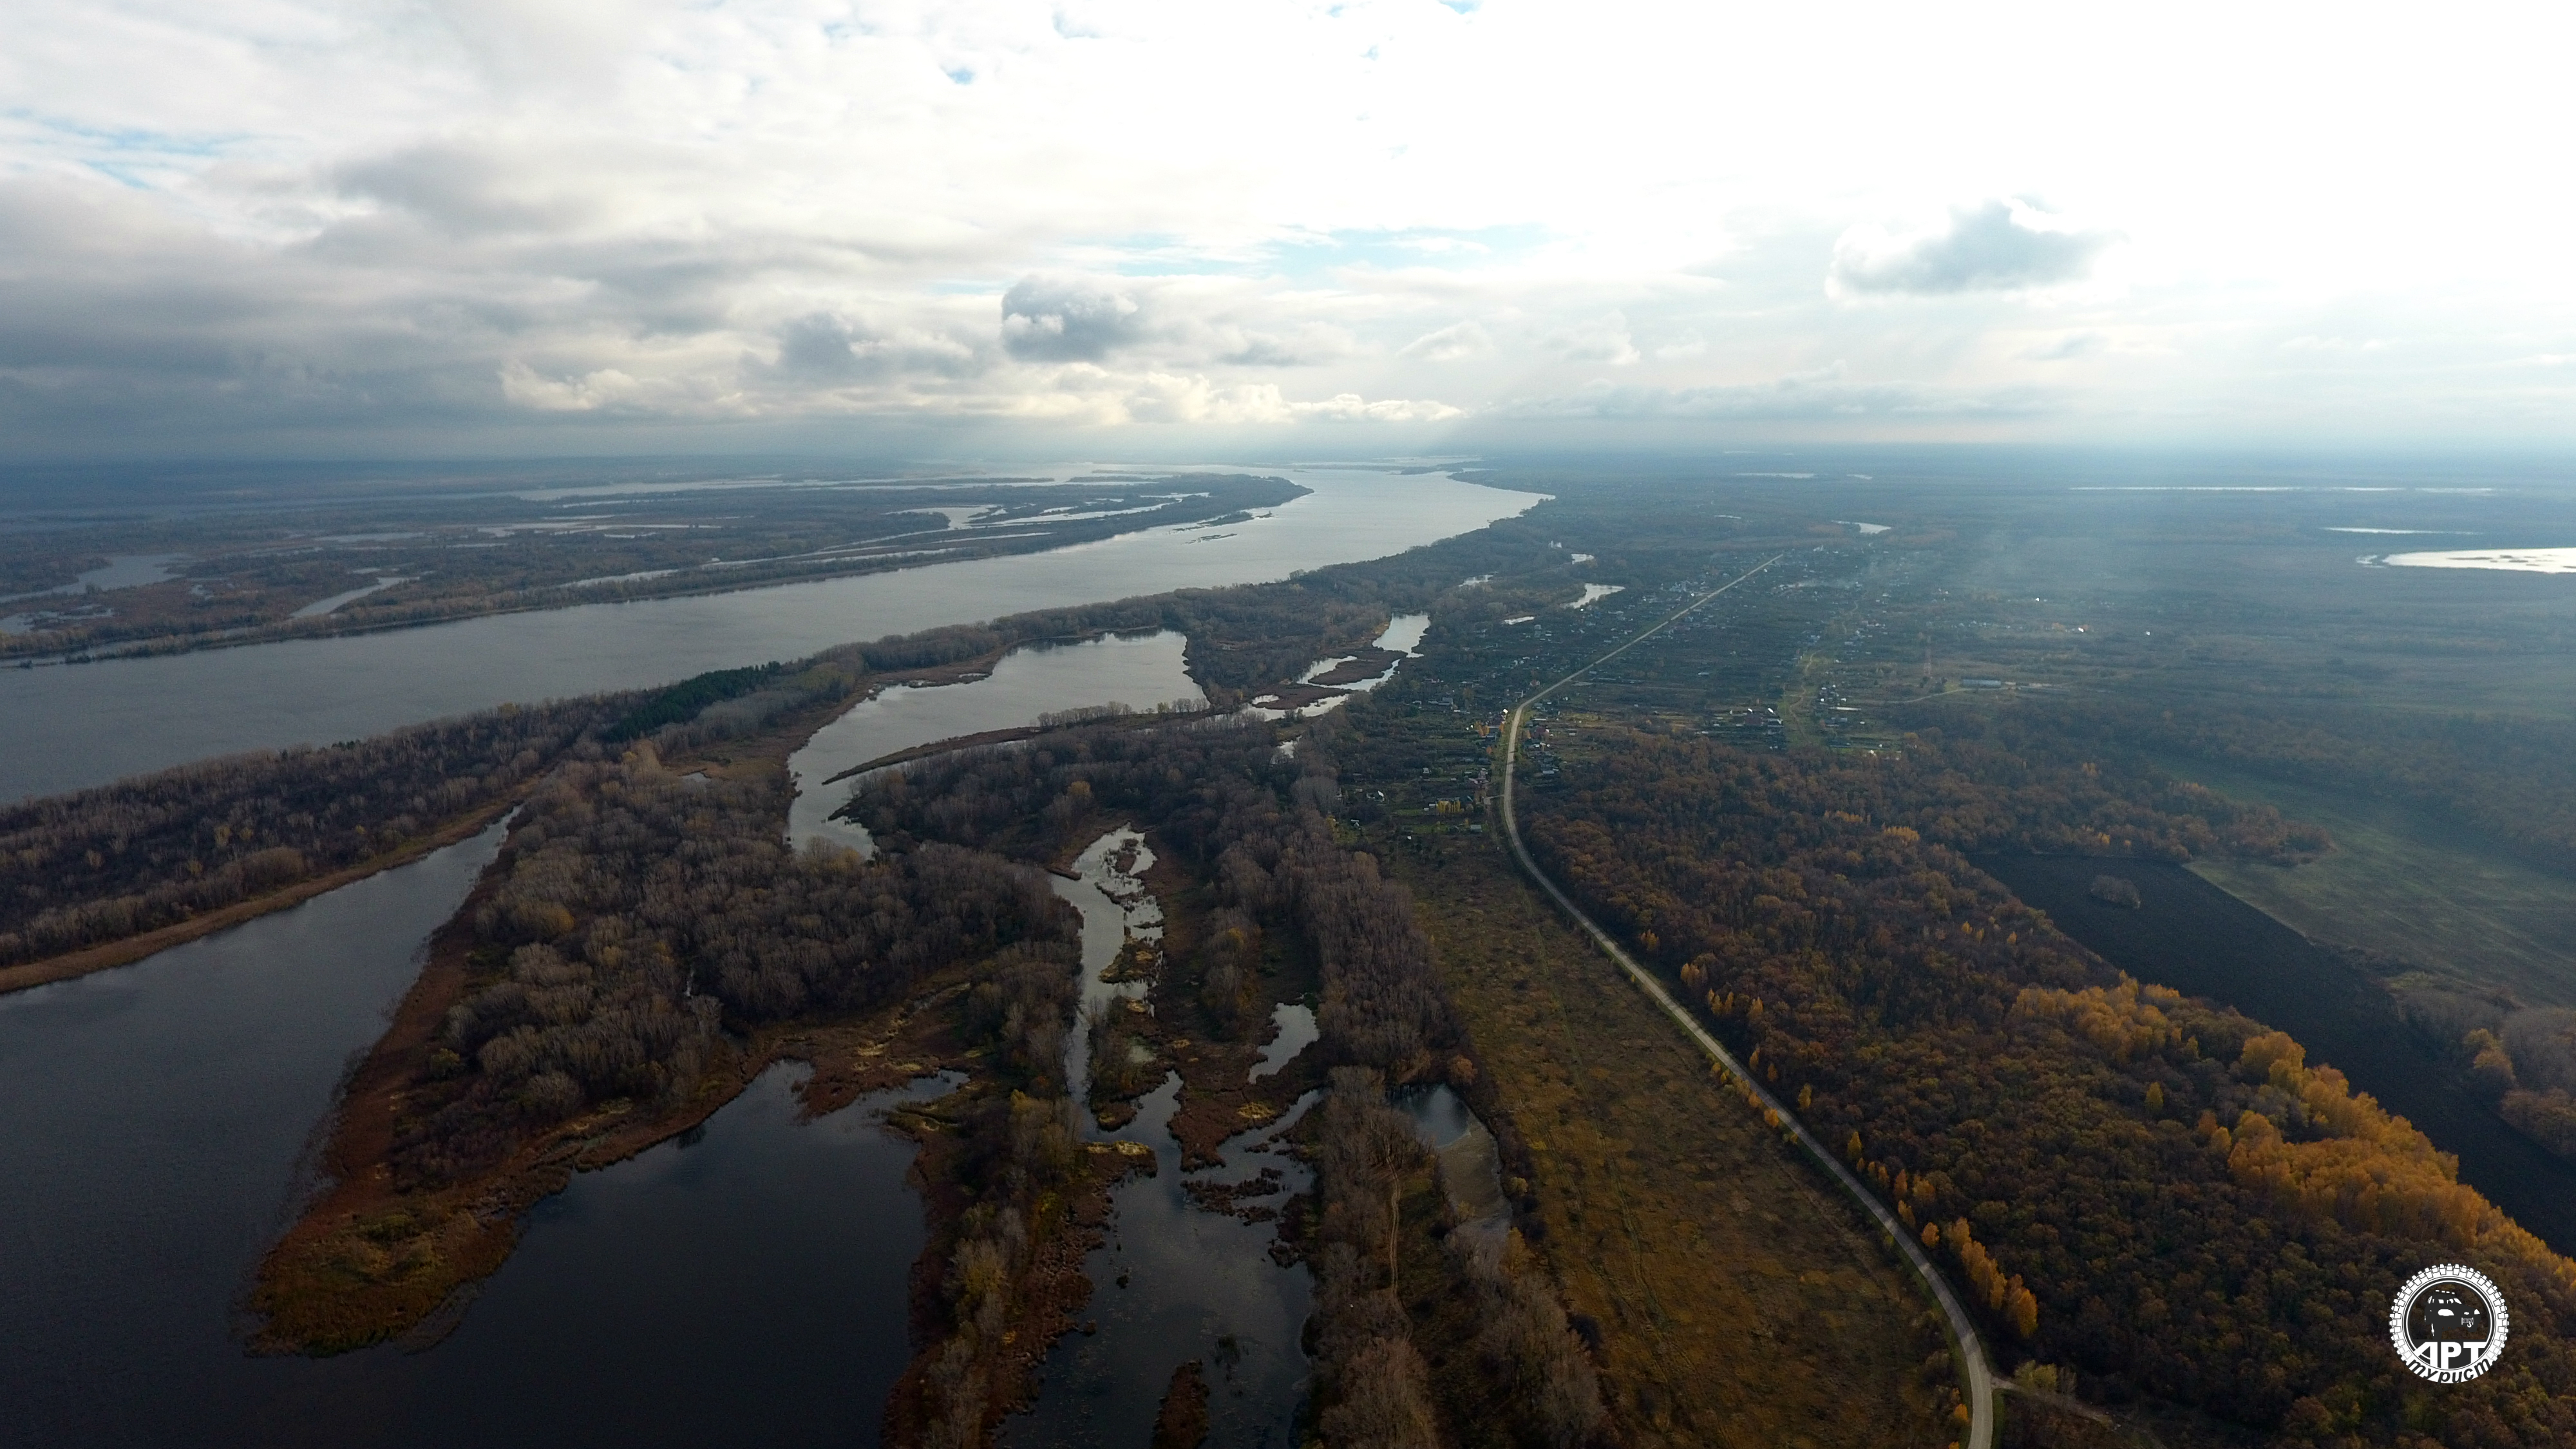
column 1175, row 1281
column 1139, row 671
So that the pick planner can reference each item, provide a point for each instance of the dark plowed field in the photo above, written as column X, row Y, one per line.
column 2198, row 939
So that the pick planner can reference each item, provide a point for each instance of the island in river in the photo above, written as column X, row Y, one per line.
column 248, row 571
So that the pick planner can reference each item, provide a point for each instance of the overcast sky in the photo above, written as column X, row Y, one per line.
column 467, row 225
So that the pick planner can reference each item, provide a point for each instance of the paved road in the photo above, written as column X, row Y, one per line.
column 1969, row 1350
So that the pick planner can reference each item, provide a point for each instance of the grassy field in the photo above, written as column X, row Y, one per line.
column 2407, row 885
column 1737, row 1301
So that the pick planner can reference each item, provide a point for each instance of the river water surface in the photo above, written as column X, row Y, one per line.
column 748, row 1279
column 1137, row 670
column 81, row 725
column 746, row 1282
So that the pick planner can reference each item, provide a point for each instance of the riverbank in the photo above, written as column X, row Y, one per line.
column 1143, row 719
column 1174, row 1027
column 126, row 952
column 773, row 747
column 371, row 1258
column 74, row 728
column 367, row 1262
column 485, row 572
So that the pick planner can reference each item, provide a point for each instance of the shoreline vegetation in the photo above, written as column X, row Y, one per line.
column 86, row 877
column 130, row 949
column 1264, row 886
column 22, row 824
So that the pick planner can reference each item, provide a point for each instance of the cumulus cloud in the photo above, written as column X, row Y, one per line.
column 1096, row 396
column 1304, row 345
column 1991, row 246
column 1058, row 319
column 589, row 392
column 227, row 223
column 2067, row 348
column 1350, row 407
column 827, row 349
column 476, row 189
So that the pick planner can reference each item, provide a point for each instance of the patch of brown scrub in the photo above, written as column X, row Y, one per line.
column 1183, row 1422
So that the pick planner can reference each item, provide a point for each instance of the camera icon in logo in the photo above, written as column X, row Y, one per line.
column 2448, row 1323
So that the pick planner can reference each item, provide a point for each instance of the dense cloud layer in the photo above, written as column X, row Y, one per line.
column 469, row 225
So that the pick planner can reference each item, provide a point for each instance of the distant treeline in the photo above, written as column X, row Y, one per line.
column 2157, row 1194
column 100, row 865
column 2013, row 781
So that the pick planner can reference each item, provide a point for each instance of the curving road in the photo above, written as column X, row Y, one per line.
column 1971, row 1352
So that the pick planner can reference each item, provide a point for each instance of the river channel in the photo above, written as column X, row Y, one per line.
column 81, row 725
column 746, row 1281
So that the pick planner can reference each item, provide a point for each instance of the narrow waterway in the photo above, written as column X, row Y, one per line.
column 1174, row 1282
column 1137, row 670
column 81, row 725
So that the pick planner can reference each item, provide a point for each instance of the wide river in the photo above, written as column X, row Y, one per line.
column 743, row 1285
column 81, row 725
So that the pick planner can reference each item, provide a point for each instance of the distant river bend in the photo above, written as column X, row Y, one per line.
column 83, row 725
